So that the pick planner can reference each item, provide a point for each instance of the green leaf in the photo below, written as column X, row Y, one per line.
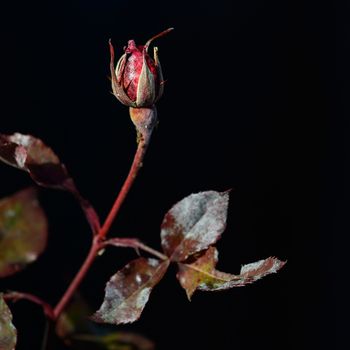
column 8, row 333
column 23, row 231
column 201, row 273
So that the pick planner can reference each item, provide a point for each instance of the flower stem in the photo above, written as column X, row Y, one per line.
column 143, row 142
column 135, row 167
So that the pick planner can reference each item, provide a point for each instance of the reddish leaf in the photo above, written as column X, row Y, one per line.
column 127, row 292
column 193, row 224
column 30, row 154
column 23, row 231
column 201, row 273
column 8, row 333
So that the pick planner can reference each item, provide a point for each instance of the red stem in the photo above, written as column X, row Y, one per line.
column 14, row 296
column 135, row 167
column 96, row 244
column 134, row 243
column 77, row 279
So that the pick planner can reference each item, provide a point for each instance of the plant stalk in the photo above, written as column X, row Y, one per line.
column 143, row 142
column 135, row 167
column 134, row 243
column 78, row 278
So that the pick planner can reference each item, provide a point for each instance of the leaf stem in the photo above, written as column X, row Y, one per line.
column 15, row 296
column 134, row 243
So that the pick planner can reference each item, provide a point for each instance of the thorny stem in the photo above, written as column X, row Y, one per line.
column 15, row 296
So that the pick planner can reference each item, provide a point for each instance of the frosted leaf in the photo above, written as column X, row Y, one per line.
column 23, row 231
column 193, row 224
column 8, row 333
column 128, row 291
column 30, row 154
column 201, row 274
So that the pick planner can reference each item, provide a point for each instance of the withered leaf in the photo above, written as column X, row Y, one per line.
column 127, row 292
column 30, row 154
column 201, row 274
column 8, row 333
column 23, row 231
column 193, row 224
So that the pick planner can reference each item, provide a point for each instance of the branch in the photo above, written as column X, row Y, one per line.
column 15, row 296
column 77, row 279
column 144, row 120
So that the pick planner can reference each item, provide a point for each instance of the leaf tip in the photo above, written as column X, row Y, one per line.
column 189, row 295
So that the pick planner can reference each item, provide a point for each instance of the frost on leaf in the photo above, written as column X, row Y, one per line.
column 127, row 292
column 201, row 274
column 193, row 224
column 8, row 333
column 23, row 231
column 30, row 154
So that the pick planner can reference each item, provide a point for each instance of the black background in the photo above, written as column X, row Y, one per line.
column 255, row 100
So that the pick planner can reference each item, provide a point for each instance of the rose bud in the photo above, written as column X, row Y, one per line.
column 137, row 80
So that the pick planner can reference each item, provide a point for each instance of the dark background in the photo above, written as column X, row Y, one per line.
column 256, row 100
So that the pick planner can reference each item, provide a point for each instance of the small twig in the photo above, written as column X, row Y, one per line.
column 133, row 243
column 46, row 335
column 15, row 296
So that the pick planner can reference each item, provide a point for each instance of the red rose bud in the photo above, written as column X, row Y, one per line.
column 137, row 80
